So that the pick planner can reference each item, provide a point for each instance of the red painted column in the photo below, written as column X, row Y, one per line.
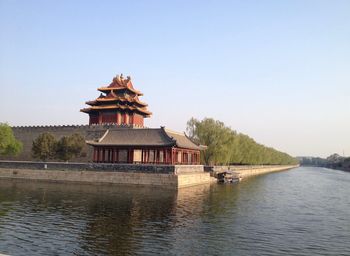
column 169, row 156
column 172, row 156
column 113, row 155
column 130, row 156
column 126, row 118
column 119, row 118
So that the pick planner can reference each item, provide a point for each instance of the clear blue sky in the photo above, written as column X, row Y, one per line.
column 278, row 71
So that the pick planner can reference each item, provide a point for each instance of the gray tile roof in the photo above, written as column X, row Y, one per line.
column 182, row 141
column 159, row 137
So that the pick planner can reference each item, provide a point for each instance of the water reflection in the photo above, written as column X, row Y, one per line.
column 98, row 219
column 301, row 212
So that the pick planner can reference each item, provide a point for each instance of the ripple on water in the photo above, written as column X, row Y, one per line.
column 298, row 212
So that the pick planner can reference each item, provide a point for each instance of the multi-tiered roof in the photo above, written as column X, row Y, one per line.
column 118, row 103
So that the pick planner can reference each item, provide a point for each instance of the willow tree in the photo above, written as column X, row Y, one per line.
column 226, row 146
column 9, row 145
column 215, row 136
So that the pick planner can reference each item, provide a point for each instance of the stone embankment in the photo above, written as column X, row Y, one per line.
column 172, row 176
column 244, row 171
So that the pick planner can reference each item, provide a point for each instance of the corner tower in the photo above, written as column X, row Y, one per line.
column 118, row 104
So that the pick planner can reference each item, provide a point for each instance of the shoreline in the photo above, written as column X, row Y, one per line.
column 344, row 169
column 171, row 176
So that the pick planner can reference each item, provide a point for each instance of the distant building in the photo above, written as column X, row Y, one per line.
column 128, row 141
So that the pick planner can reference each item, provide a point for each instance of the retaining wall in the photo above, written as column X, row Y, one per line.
column 172, row 176
column 242, row 171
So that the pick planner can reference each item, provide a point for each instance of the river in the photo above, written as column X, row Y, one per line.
column 304, row 211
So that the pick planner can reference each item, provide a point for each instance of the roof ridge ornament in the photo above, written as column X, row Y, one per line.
column 120, row 80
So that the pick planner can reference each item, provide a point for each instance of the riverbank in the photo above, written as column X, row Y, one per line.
column 339, row 168
column 244, row 171
column 170, row 176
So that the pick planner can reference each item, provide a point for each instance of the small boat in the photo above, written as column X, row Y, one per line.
column 227, row 177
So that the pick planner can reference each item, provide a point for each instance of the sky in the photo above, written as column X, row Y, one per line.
column 278, row 71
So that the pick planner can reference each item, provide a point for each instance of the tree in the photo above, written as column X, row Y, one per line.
column 215, row 136
column 226, row 146
column 44, row 147
column 69, row 147
column 9, row 145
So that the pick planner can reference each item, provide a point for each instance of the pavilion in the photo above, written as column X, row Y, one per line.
column 128, row 141
column 145, row 146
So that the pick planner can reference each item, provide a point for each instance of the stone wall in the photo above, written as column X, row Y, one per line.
column 247, row 172
column 135, row 168
column 192, row 179
column 183, row 169
column 244, row 171
column 172, row 176
column 154, row 179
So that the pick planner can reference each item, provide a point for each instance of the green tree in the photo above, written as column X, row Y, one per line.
column 226, row 146
column 69, row 147
column 44, row 147
column 215, row 136
column 9, row 145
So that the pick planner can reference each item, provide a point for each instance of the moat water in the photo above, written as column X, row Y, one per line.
column 304, row 211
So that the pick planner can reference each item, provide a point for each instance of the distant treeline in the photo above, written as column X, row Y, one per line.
column 334, row 161
column 226, row 146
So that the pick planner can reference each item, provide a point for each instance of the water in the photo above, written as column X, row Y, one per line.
column 305, row 211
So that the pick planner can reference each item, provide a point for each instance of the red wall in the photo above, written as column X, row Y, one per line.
column 117, row 118
column 109, row 118
column 93, row 119
column 138, row 119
